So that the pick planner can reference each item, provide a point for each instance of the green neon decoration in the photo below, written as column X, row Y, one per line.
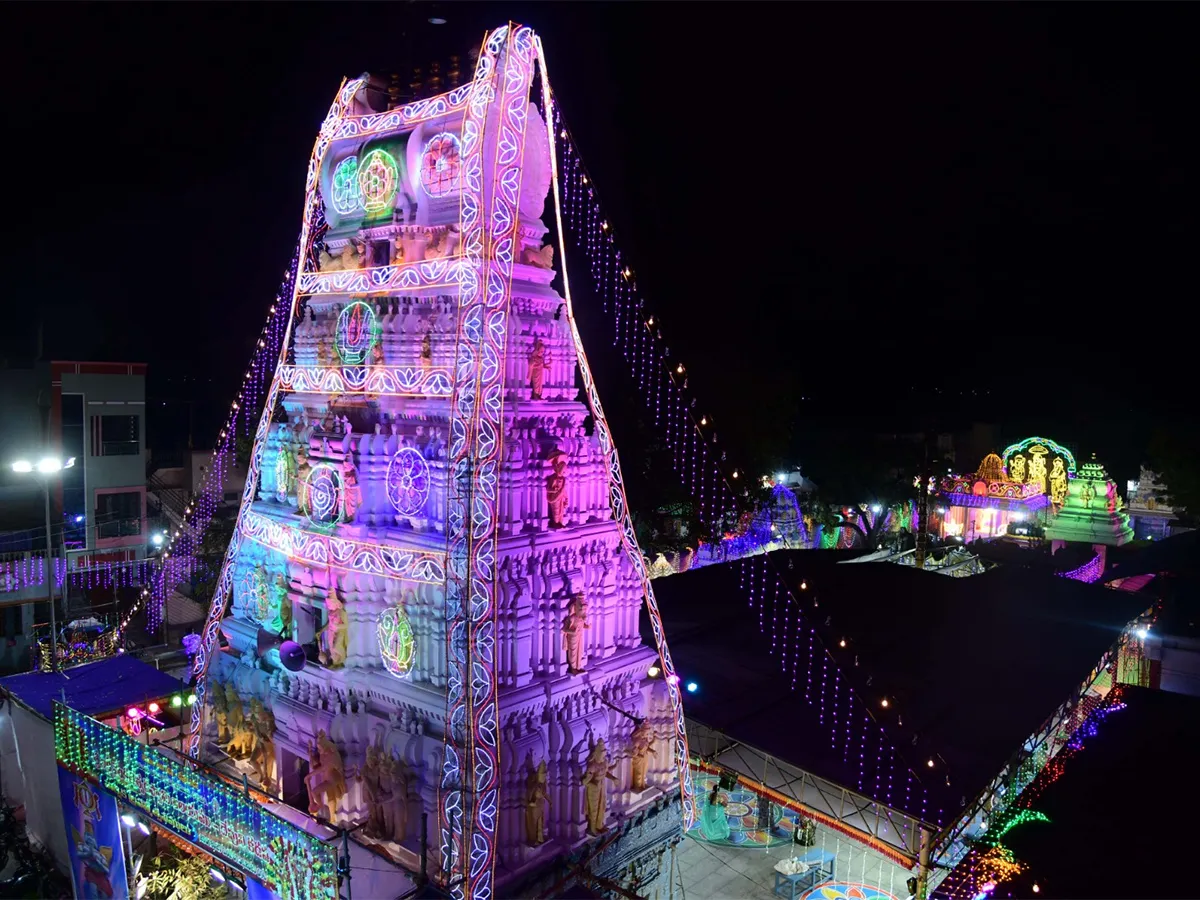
column 205, row 811
column 378, row 177
column 396, row 642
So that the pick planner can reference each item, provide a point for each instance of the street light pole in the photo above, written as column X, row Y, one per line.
column 50, row 581
column 45, row 467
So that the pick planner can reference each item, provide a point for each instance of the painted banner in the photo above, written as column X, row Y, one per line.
column 200, row 808
column 256, row 891
column 94, row 839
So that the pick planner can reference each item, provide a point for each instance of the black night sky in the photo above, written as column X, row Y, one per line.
column 837, row 202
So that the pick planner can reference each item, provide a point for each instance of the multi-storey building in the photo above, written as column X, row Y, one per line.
column 94, row 412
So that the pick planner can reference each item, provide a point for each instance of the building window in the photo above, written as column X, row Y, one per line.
column 119, row 515
column 115, row 436
column 73, row 489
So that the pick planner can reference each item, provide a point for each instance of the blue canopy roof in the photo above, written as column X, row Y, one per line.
column 94, row 689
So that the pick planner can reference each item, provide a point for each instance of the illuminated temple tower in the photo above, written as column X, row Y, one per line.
column 434, row 516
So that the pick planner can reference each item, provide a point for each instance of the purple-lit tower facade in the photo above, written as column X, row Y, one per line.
column 435, row 517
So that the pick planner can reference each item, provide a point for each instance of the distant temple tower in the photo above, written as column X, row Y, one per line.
column 432, row 600
column 1093, row 512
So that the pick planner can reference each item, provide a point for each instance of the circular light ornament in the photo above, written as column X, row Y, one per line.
column 396, row 643
column 347, row 195
column 323, row 489
column 357, row 330
column 377, row 180
column 440, row 165
column 408, row 481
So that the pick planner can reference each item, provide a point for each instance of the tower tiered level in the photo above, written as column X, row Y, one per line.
column 432, row 600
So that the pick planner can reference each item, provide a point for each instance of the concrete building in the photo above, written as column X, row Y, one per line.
column 94, row 412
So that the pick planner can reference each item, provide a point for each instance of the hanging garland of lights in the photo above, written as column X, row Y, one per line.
column 663, row 378
column 989, row 863
column 178, row 558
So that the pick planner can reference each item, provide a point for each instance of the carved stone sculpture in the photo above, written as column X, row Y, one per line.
column 326, row 780
column 398, row 251
column 352, row 496
column 537, row 801
column 262, row 721
column 303, row 470
column 220, row 708
column 333, row 636
column 538, row 361
column 371, row 776
column 241, row 738
column 394, row 781
column 556, row 491
column 427, row 350
column 279, row 609
column 350, row 257
column 596, row 773
column 641, row 743
column 573, row 627
column 542, row 258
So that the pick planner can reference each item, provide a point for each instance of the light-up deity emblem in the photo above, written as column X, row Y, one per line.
column 254, row 593
column 347, row 196
column 324, row 491
column 440, row 165
column 356, row 333
column 1058, row 482
column 284, row 474
column 377, row 179
column 408, row 481
column 1037, row 466
column 396, row 643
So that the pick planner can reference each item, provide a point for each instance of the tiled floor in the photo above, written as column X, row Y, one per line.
column 706, row 871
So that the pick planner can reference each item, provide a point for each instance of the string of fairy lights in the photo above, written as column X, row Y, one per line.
column 989, row 863
column 663, row 382
column 661, row 376
column 183, row 544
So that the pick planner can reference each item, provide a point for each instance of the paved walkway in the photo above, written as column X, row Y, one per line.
column 706, row 871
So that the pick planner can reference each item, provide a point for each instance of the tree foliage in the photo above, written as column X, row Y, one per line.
column 1174, row 455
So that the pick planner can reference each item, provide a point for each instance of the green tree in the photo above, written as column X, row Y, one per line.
column 1174, row 455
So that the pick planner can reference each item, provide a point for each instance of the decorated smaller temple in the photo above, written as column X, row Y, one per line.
column 1093, row 512
column 983, row 505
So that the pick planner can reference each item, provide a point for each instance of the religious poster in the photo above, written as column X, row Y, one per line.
column 94, row 839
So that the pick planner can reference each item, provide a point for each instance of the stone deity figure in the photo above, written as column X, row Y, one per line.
column 303, row 470
column 595, row 791
column 427, row 350
column 371, row 775
column 262, row 720
column 641, row 743
column 573, row 627
column 539, row 360
column 352, row 496
column 556, row 491
column 333, row 636
column 398, row 251
column 236, row 719
column 377, row 354
column 1016, row 468
column 537, row 801
column 216, row 698
column 326, row 778
column 1058, row 482
column 394, row 781
column 280, row 609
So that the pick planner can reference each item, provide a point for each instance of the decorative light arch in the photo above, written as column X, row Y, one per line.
column 1052, row 446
